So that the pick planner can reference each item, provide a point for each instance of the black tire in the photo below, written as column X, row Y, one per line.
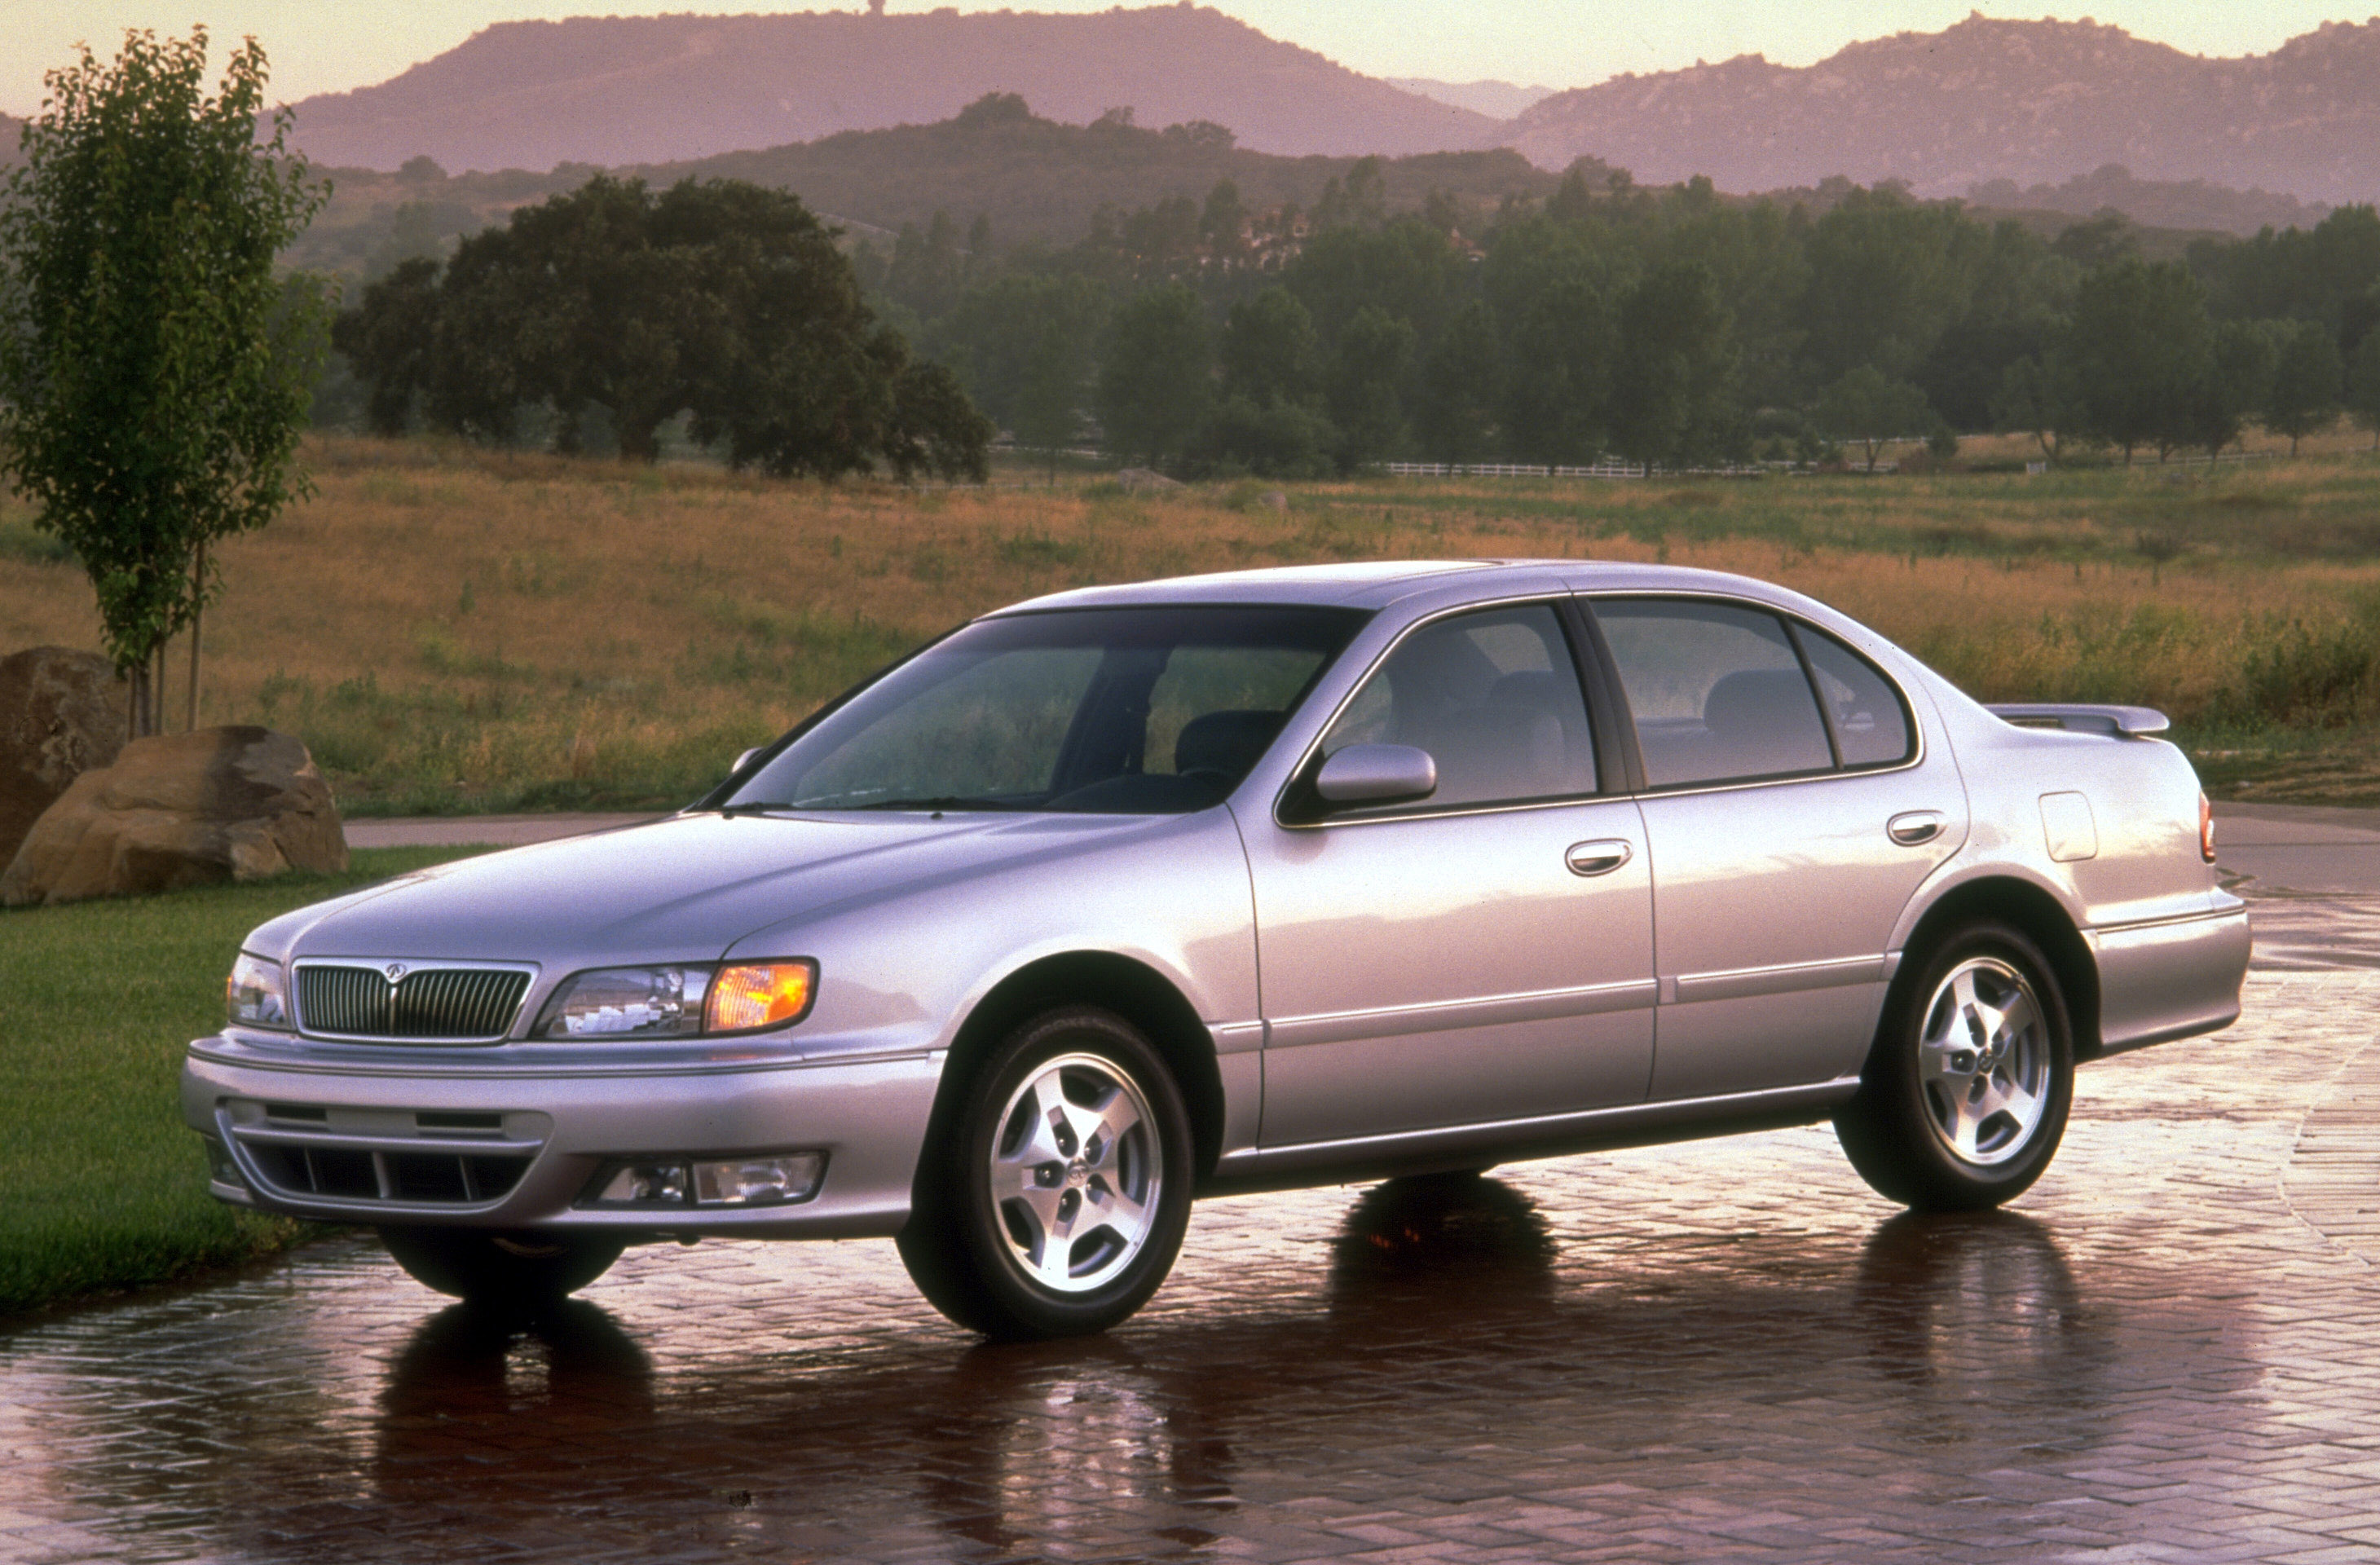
column 494, row 1269
column 985, row 1257
column 1964, row 1123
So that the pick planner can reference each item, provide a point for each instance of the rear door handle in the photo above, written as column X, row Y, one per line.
column 1599, row 857
column 1915, row 827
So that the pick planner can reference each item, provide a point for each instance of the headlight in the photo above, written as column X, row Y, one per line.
column 628, row 1002
column 253, row 996
column 635, row 1002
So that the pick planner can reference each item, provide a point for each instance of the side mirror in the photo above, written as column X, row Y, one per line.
column 1377, row 774
column 744, row 759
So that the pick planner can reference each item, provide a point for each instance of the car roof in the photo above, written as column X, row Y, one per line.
column 1375, row 584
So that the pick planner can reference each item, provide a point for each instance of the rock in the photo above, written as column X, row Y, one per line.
column 1273, row 500
column 1137, row 480
column 61, row 715
column 181, row 809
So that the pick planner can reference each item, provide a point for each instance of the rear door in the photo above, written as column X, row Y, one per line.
column 1787, row 832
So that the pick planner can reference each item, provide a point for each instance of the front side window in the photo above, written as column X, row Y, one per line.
column 1493, row 696
column 1147, row 710
column 1717, row 691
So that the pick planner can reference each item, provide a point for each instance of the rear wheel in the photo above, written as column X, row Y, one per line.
column 1965, row 1095
column 1058, row 1202
column 497, row 1269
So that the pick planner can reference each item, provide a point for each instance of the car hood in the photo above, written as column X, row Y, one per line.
column 681, row 889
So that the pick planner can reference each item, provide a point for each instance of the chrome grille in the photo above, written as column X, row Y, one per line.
column 447, row 1004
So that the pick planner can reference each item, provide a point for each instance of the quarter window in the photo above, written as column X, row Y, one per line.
column 1871, row 728
column 1493, row 696
column 1718, row 692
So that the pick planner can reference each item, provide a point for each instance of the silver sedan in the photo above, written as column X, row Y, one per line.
column 1264, row 879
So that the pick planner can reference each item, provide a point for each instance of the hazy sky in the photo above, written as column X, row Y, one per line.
column 331, row 45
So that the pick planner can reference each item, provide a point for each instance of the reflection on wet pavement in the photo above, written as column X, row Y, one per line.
column 2297, row 931
column 1678, row 1353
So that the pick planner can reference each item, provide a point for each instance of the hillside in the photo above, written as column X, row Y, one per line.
column 1038, row 180
column 2028, row 101
column 645, row 89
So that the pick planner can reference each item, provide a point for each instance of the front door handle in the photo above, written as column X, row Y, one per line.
column 1599, row 857
column 1914, row 827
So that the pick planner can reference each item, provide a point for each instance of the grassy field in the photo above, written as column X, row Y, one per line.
column 107, row 1189
column 451, row 629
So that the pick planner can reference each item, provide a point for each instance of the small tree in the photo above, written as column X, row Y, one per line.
column 1363, row 388
column 1867, row 407
column 2139, row 343
column 1157, row 381
column 2305, row 387
column 154, row 376
column 2363, row 385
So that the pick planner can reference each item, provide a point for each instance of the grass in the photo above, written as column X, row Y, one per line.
column 107, row 1189
column 451, row 629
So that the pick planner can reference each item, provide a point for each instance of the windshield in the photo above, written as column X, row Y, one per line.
column 1120, row 711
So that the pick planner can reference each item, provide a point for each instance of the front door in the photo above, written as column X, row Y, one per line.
column 1484, row 955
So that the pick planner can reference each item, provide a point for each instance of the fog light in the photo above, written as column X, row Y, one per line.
column 641, row 1185
column 220, row 1165
column 758, row 1182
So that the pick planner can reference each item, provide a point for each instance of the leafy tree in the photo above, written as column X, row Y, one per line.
column 2238, row 381
column 389, row 339
column 2138, row 341
column 154, row 372
column 1867, row 407
column 2041, row 395
column 1156, row 381
column 1026, row 346
column 1278, row 440
column 1364, row 386
column 1463, row 382
column 2362, row 396
column 1558, row 398
column 1270, row 353
column 2306, row 384
column 1672, row 397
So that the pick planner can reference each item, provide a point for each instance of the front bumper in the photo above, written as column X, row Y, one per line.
column 447, row 1140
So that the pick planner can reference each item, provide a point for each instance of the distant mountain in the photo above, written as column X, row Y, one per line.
column 1497, row 100
column 1040, row 179
column 642, row 90
column 2029, row 101
column 2153, row 203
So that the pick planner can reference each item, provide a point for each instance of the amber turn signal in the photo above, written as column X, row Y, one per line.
column 761, row 995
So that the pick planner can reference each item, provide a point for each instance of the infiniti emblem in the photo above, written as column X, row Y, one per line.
column 395, row 970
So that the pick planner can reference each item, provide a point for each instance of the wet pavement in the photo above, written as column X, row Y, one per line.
column 2171, row 1350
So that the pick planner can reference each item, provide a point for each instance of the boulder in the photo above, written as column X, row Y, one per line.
column 1145, row 481
column 61, row 715
column 181, row 809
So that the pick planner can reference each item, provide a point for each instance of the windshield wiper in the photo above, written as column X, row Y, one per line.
column 943, row 801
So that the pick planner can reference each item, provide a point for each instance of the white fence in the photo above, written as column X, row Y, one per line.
column 1600, row 470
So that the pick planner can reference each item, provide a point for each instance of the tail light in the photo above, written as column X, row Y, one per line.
column 2206, row 829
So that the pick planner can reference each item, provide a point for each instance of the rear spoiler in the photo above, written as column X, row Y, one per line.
column 2119, row 722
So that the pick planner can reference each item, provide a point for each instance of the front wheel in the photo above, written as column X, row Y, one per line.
column 1058, row 1203
column 1966, row 1092
column 501, row 1271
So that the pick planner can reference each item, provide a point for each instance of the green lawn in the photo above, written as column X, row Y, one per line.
column 105, row 1188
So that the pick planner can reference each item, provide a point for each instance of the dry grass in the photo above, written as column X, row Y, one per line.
column 451, row 629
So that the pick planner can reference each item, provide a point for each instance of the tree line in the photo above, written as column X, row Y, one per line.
column 614, row 310
column 1676, row 327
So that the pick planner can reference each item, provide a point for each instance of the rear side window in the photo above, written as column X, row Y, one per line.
column 1717, row 691
column 1871, row 726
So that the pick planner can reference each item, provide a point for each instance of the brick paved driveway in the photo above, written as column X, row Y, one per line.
column 2171, row 1350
